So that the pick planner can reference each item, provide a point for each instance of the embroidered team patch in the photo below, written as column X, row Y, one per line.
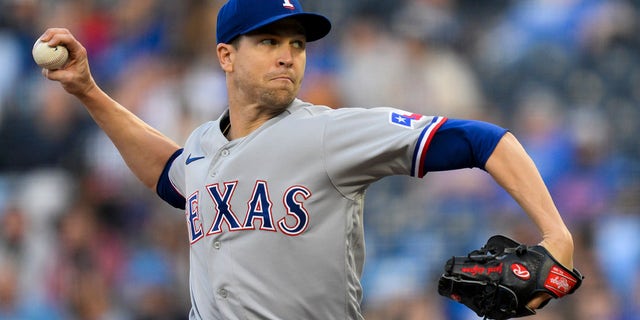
column 404, row 119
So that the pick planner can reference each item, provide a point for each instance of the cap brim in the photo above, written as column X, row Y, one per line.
column 315, row 26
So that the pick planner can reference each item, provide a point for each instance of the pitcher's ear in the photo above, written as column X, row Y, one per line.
column 225, row 53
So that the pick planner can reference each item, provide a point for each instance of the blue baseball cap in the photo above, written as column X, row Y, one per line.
column 238, row 17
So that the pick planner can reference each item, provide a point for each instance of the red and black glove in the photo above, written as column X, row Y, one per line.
column 498, row 281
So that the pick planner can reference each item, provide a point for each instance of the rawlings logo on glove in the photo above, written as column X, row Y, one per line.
column 499, row 280
column 520, row 271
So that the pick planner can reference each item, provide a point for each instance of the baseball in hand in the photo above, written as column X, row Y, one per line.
column 49, row 57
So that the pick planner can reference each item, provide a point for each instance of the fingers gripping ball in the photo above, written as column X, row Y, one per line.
column 47, row 57
column 498, row 280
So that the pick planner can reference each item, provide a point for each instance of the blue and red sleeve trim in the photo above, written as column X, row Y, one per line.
column 419, row 154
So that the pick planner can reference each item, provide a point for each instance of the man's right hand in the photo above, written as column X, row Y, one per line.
column 75, row 77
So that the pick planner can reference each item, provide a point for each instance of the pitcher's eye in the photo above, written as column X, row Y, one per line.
column 299, row 44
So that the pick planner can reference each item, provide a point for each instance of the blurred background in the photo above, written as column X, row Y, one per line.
column 81, row 238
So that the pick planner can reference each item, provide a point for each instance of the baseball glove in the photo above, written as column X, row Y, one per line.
column 498, row 281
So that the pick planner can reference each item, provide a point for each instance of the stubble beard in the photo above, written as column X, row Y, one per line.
column 277, row 100
column 274, row 99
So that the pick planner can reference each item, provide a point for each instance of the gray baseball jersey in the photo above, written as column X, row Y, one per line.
column 275, row 218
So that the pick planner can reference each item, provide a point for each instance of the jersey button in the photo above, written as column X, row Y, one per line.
column 217, row 245
column 223, row 292
column 224, row 152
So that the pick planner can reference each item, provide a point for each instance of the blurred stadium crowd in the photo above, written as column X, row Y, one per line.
column 80, row 238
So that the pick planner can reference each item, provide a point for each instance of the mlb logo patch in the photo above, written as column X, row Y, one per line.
column 404, row 120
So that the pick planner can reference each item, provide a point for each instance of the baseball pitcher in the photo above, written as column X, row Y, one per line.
column 273, row 190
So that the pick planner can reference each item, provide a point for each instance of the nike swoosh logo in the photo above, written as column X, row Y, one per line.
column 192, row 159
